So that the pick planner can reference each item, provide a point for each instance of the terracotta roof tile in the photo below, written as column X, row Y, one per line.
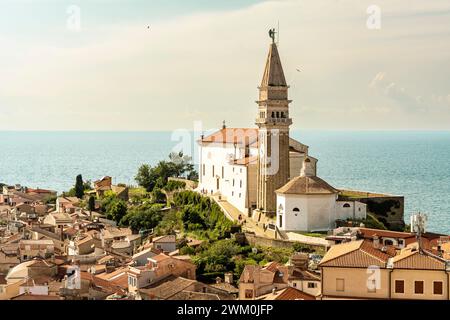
column 306, row 185
column 294, row 294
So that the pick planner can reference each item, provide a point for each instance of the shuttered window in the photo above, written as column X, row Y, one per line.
column 437, row 287
column 418, row 287
column 399, row 286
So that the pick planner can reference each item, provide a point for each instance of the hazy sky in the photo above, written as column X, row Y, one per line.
column 203, row 60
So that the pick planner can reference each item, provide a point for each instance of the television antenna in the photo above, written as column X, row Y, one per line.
column 418, row 224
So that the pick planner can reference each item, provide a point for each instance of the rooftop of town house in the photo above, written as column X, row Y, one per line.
column 165, row 239
column 412, row 258
column 35, row 243
column 278, row 273
column 37, row 281
column 306, row 185
column 121, row 244
column 113, row 232
column 61, row 217
column 192, row 295
column 160, row 257
column 29, row 296
column 101, row 284
column 167, row 287
column 116, row 273
column 304, row 275
column 38, row 190
column 360, row 253
column 288, row 293
column 144, row 252
column 225, row 286
column 192, row 242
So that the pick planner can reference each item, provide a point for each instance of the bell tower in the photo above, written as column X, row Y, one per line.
column 273, row 122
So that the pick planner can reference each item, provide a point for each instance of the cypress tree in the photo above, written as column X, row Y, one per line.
column 79, row 187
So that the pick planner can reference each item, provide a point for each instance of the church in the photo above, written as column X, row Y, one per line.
column 265, row 173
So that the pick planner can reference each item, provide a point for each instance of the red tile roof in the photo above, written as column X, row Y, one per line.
column 294, row 294
column 242, row 136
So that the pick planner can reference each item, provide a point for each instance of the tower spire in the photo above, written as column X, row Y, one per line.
column 273, row 72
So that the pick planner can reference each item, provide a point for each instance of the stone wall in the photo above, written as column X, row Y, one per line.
column 254, row 240
column 388, row 209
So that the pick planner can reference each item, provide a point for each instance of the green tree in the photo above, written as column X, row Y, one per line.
column 79, row 187
column 218, row 257
column 116, row 210
column 158, row 196
column 143, row 217
column 146, row 177
column 91, row 203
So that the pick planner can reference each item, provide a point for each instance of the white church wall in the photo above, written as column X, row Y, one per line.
column 350, row 209
column 321, row 212
column 315, row 212
column 213, row 158
column 292, row 220
column 236, row 192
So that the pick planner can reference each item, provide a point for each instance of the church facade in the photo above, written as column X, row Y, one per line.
column 253, row 168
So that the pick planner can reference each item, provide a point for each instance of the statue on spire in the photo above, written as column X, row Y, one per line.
column 272, row 33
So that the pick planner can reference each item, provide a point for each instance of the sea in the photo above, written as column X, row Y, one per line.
column 414, row 164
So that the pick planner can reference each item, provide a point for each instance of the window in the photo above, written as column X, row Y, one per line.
column 282, row 114
column 233, row 182
column 248, row 294
column 418, row 287
column 294, row 284
column 312, row 285
column 280, row 221
column 346, row 205
column 296, row 210
column 340, row 285
column 239, row 195
column 240, row 184
column 399, row 286
column 213, row 171
column 401, row 242
column 203, row 169
column 232, row 193
column 223, row 172
column 273, row 114
column 278, row 114
column 388, row 242
column 437, row 287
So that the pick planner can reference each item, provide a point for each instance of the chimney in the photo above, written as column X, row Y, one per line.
column 228, row 278
column 307, row 169
column 218, row 280
column 274, row 290
column 376, row 242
